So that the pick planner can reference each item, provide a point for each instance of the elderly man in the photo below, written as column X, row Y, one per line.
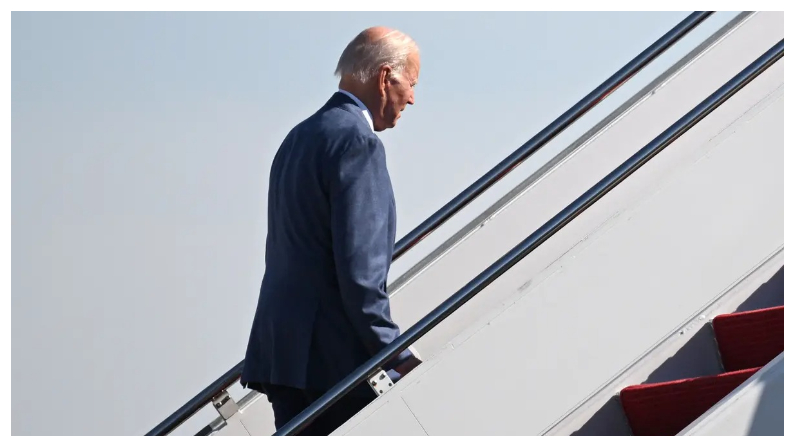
column 323, row 308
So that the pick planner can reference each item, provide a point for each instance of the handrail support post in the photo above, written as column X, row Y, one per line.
column 380, row 382
column 225, row 405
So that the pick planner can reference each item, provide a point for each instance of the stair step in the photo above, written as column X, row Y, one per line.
column 749, row 339
column 665, row 409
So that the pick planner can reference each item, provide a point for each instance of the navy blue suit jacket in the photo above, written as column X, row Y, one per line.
column 323, row 307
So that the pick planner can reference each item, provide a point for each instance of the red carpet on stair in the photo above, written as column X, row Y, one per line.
column 665, row 409
column 750, row 339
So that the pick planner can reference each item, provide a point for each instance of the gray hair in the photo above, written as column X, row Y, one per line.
column 362, row 58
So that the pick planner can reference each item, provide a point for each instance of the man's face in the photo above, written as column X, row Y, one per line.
column 397, row 93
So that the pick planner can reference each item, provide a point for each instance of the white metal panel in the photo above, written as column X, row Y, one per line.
column 696, row 224
column 257, row 416
column 756, row 408
column 391, row 418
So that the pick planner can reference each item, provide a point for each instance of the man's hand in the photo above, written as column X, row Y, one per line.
column 406, row 367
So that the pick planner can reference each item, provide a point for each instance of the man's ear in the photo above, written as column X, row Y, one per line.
column 383, row 79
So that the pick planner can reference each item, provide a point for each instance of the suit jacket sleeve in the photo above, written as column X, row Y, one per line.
column 361, row 199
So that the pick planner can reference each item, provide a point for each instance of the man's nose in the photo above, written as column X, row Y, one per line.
column 411, row 98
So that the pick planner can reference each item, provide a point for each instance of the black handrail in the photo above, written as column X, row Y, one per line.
column 198, row 402
column 538, row 237
column 476, row 189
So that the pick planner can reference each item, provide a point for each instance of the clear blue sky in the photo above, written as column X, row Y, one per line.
column 141, row 144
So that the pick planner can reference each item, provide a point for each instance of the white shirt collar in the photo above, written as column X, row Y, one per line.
column 365, row 111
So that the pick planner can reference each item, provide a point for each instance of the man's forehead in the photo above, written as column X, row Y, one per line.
column 414, row 61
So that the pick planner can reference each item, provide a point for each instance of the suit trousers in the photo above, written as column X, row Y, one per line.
column 288, row 402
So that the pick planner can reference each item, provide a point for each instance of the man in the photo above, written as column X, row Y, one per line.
column 323, row 309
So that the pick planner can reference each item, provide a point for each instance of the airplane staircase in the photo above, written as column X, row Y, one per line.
column 580, row 327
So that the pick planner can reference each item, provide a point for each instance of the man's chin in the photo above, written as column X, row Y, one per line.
column 383, row 127
column 380, row 127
